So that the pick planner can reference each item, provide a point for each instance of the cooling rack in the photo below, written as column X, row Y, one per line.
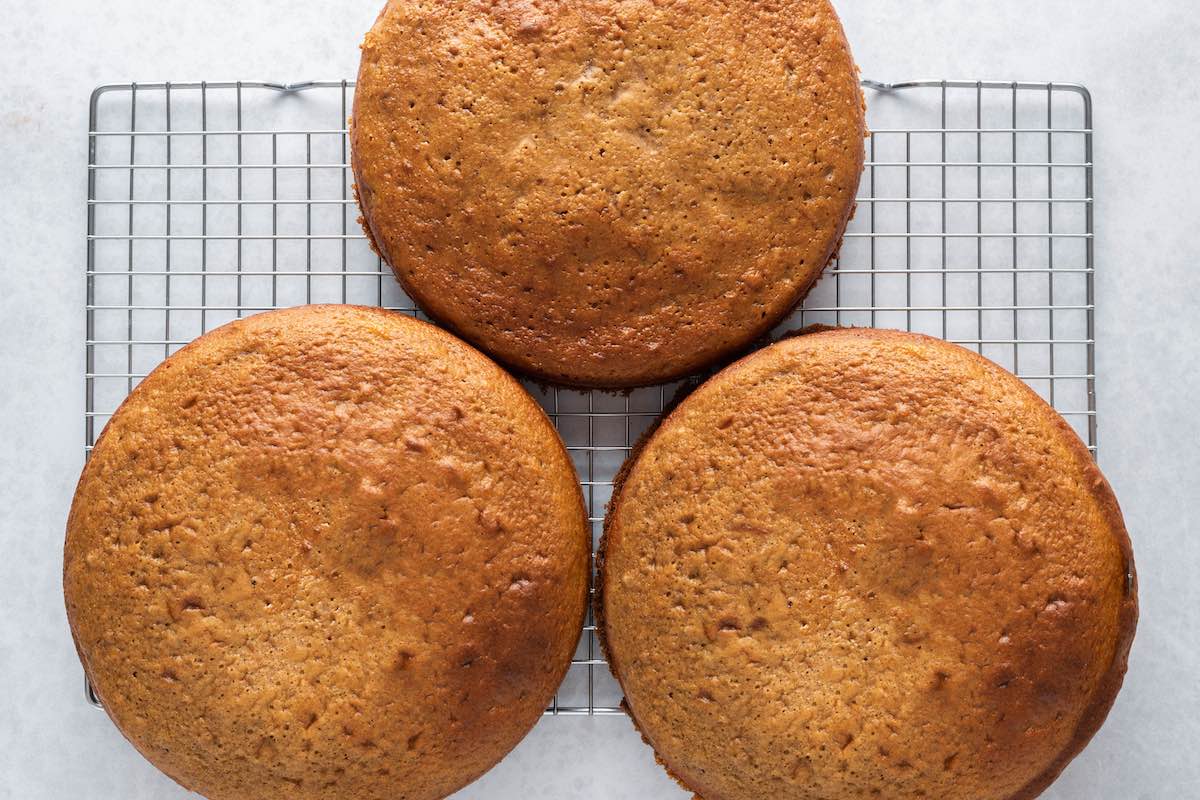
column 209, row 201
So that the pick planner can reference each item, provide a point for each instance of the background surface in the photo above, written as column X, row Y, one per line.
column 1139, row 59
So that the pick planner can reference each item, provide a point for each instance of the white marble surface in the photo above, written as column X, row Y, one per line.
column 1139, row 59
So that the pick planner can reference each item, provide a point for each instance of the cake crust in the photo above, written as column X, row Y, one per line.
column 604, row 193
column 327, row 552
column 1000, row 724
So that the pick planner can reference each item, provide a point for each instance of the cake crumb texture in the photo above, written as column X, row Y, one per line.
column 607, row 192
column 328, row 552
column 866, row 564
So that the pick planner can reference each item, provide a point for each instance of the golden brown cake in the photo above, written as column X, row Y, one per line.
column 607, row 193
column 329, row 552
column 866, row 564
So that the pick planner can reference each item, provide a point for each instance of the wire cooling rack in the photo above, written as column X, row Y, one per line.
column 212, row 201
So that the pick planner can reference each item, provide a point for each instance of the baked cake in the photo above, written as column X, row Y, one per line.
column 328, row 552
column 605, row 193
column 866, row 564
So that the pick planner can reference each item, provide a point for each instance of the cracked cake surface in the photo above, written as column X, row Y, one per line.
column 607, row 193
column 865, row 564
column 328, row 552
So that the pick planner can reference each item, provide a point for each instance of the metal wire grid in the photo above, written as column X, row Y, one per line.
column 214, row 200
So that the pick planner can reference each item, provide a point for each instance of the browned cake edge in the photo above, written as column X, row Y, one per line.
column 734, row 351
column 84, row 476
column 362, row 217
column 229, row 329
column 1106, row 693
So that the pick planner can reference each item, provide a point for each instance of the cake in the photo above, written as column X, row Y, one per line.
column 328, row 552
column 865, row 564
column 603, row 193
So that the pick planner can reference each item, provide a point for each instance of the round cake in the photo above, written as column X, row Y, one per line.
column 328, row 552
column 866, row 564
column 607, row 193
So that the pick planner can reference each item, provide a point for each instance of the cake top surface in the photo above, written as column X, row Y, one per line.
column 607, row 192
column 326, row 552
column 866, row 563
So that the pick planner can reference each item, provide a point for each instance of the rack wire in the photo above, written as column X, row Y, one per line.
column 209, row 201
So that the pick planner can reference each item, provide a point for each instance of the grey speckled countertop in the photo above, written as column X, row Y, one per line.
column 1139, row 59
